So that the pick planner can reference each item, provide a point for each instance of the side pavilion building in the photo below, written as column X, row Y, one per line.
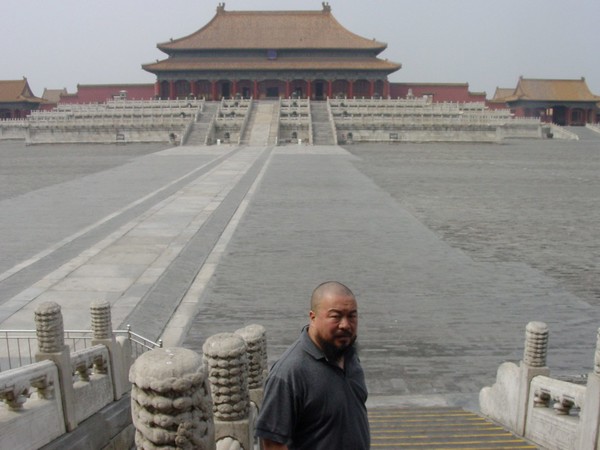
column 17, row 99
column 564, row 102
column 270, row 54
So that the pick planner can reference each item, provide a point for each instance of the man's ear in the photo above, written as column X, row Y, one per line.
column 312, row 315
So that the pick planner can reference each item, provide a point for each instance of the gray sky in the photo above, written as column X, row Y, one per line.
column 485, row 43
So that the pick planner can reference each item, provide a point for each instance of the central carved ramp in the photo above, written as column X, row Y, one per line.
column 438, row 428
column 262, row 124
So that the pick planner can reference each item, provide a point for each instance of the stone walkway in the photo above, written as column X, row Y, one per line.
column 188, row 243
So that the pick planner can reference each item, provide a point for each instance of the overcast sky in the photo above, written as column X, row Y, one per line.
column 485, row 43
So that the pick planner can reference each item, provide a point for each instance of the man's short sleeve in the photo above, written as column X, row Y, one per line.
column 277, row 417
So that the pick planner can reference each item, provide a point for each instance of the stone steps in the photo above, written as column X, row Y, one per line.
column 200, row 128
column 321, row 126
column 438, row 428
column 261, row 124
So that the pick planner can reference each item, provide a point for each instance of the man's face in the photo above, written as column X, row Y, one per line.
column 334, row 324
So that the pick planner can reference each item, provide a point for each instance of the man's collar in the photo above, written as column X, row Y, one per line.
column 309, row 346
column 313, row 350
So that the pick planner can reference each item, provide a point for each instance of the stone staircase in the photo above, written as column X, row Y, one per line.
column 321, row 125
column 585, row 133
column 438, row 428
column 262, row 126
column 200, row 130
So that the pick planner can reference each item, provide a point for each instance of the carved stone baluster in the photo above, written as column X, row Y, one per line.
column 51, row 346
column 102, row 334
column 597, row 354
column 170, row 401
column 255, row 337
column 536, row 344
column 532, row 365
column 101, row 319
column 225, row 355
column 590, row 413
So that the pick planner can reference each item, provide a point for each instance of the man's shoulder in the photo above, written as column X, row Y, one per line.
column 297, row 358
column 292, row 358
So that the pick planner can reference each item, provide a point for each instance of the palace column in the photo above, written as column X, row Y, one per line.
column 329, row 88
column 157, row 89
column 255, row 93
column 309, row 89
column 194, row 88
column 371, row 88
column 213, row 90
column 386, row 89
column 287, row 89
column 350, row 88
column 234, row 88
column 171, row 90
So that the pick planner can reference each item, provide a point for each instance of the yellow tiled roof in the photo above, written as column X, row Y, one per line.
column 17, row 91
column 552, row 90
column 53, row 95
column 261, row 64
column 502, row 93
column 272, row 30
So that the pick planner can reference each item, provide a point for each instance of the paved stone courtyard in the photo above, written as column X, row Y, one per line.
column 450, row 248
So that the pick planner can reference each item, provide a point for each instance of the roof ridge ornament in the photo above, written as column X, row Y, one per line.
column 221, row 7
column 326, row 7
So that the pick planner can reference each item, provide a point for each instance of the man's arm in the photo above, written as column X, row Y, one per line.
column 272, row 445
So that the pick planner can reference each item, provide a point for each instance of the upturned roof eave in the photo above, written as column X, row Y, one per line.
column 387, row 71
column 548, row 100
column 160, row 67
column 376, row 49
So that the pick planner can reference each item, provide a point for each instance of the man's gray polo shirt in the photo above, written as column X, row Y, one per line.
column 312, row 404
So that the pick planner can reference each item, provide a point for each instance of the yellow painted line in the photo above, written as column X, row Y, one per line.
column 411, row 429
column 446, row 436
column 469, row 448
column 475, row 419
column 422, row 444
column 424, row 414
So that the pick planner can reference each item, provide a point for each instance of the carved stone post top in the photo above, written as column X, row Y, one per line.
column 47, row 309
column 100, row 304
column 101, row 319
column 224, row 345
column 536, row 344
column 49, row 327
column 252, row 333
column 167, row 369
column 537, row 327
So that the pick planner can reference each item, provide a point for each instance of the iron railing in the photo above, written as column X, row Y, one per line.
column 18, row 347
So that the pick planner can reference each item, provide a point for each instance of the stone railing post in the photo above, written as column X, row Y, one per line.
column 532, row 365
column 170, row 401
column 51, row 346
column 225, row 356
column 102, row 334
column 590, row 416
column 255, row 337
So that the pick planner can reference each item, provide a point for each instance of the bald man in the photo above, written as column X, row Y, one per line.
column 315, row 393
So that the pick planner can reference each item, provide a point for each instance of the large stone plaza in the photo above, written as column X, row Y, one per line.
column 451, row 248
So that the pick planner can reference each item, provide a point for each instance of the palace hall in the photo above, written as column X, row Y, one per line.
column 272, row 54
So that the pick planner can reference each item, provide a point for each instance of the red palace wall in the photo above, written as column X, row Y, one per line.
column 441, row 92
column 100, row 93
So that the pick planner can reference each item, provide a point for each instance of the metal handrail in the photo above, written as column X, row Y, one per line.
column 17, row 347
